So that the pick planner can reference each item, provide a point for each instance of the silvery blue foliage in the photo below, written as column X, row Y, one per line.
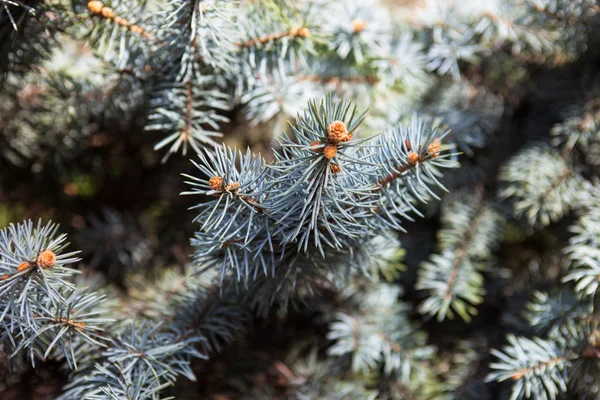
column 453, row 278
column 43, row 314
column 323, row 193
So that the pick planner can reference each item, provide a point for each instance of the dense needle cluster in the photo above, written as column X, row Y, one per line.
column 306, row 273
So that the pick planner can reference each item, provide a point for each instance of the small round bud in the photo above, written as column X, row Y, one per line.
column 304, row 32
column 5, row 277
column 335, row 168
column 107, row 12
column 71, row 189
column 337, row 132
column 25, row 265
column 330, row 151
column 216, row 183
column 136, row 29
column 434, row 148
column 95, row 6
column 293, row 32
column 233, row 187
column 413, row 158
column 46, row 259
column 358, row 25
column 121, row 21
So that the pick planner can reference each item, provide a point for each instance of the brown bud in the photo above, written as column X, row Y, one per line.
column 216, row 183
column 407, row 144
column 335, row 168
column 46, row 259
column 293, row 32
column 95, row 6
column 23, row 266
column 413, row 158
column 304, row 32
column 121, row 21
column 434, row 148
column 336, row 132
column 5, row 277
column 359, row 25
column 71, row 189
column 136, row 29
column 233, row 187
column 107, row 12
column 330, row 151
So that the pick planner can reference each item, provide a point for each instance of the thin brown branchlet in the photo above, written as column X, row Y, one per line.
column 293, row 33
column 97, row 8
column 45, row 260
column 77, row 325
column 413, row 158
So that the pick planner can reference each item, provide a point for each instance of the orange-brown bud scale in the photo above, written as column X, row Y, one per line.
column 335, row 169
column 434, row 148
column 107, row 12
column 46, row 259
column 407, row 144
column 330, row 151
column 95, row 6
column 5, row 277
column 25, row 265
column 233, row 187
column 71, row 322
column 337, row 132
column 123, row 22
column 358, row 25
column 413, row 158
column 304, row 32
column 216, row 183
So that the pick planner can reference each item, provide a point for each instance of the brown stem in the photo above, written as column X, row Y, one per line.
column 293, row 33
column 100, row 10
column 369, row 79
column 189, row 100
column 559, row 180
column 463, row 250
column 396, row 174
column 591, row 352
column 546, row 364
